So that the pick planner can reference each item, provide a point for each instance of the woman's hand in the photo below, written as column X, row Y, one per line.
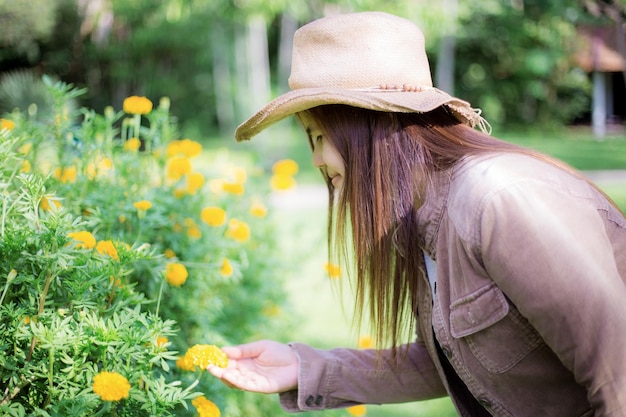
column 264, row 366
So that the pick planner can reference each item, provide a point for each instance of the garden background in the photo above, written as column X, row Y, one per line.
column 136, row 235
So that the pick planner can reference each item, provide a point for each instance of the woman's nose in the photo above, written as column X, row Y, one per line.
column 318, row 161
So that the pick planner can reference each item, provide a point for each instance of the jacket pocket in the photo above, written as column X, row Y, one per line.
column 495, row 332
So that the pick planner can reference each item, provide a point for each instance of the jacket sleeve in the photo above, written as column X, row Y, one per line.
column 345, row 377
column 558, row 257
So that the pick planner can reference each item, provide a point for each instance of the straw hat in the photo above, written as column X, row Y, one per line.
column 371, row 60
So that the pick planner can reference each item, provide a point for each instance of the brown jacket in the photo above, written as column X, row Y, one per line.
column 529, row 305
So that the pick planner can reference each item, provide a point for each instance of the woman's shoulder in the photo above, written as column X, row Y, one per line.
column 493, row 171
column 476, row 179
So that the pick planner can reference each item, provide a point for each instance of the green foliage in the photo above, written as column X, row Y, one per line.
column 20, row 27
column 515, row 63
column 95, row 209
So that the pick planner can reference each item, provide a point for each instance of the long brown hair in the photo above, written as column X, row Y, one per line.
column 389, row 160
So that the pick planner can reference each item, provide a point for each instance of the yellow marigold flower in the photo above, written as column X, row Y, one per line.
column 213, row 216
column 48, row 203
column 202, row 356
column 240, row 174
column 6, row 124
column 217, row 185
column 176, row 274
column 121, row 218
column 191, row 148
column 178, row 167
column 161, row 341
column 132, row 145
column 271, row 310
column 65, row 175
column 285, row 167
column 186, row 147
column 333, row 270
column 106, row 248
column 282, row 182
column 168, row 253
column 227, row 268
column 111, row 386
column 137, row 105
column 238, row 230
column 25, row 166
column 194, row 232
column 86, row 239
column 366, row 342
column 205, row 407
column 185, row 363
column 115, row 282
column 195, row 181
column 25, row 148
column 173, row 148
column 357, row 410
column 233, row 188
column 142, row 205
column 258, row 209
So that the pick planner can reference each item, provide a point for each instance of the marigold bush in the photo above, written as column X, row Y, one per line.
column 113, row 260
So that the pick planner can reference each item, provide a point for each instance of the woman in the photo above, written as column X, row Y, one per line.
column 508, row 265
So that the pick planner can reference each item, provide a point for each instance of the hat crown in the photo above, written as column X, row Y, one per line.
column 359, row 51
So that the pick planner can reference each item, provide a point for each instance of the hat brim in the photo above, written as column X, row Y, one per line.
column 380, row 100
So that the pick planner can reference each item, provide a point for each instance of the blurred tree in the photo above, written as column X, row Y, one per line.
column 21, row 29
column 219, row 60
column 514, row 61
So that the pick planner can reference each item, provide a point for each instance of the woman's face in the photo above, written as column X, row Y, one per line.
column 325, row 155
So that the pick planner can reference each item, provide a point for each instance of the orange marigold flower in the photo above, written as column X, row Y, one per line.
column 258, row 209
column 132, row 144
column 106, row 248
column 176, row 274
column 285, row 167
column 202, row 356
column 227, row 268
column 213, row 216
column 333, row 270
column 178, row 167
column 65, row 175
column 142, row 205
column 86, row 239
column 357, row 410
column 111, row 386
column 205, row 407
column 161, row 341
column 137, row 105
column 6, row 124
column 282, row 182
column 238, row 230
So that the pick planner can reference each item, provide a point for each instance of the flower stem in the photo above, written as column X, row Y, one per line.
column 159, row 298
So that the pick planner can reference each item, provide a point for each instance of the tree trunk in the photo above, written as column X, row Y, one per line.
column 258, row 65
column 222, row 82
column 288, row 26
column 444, row 76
